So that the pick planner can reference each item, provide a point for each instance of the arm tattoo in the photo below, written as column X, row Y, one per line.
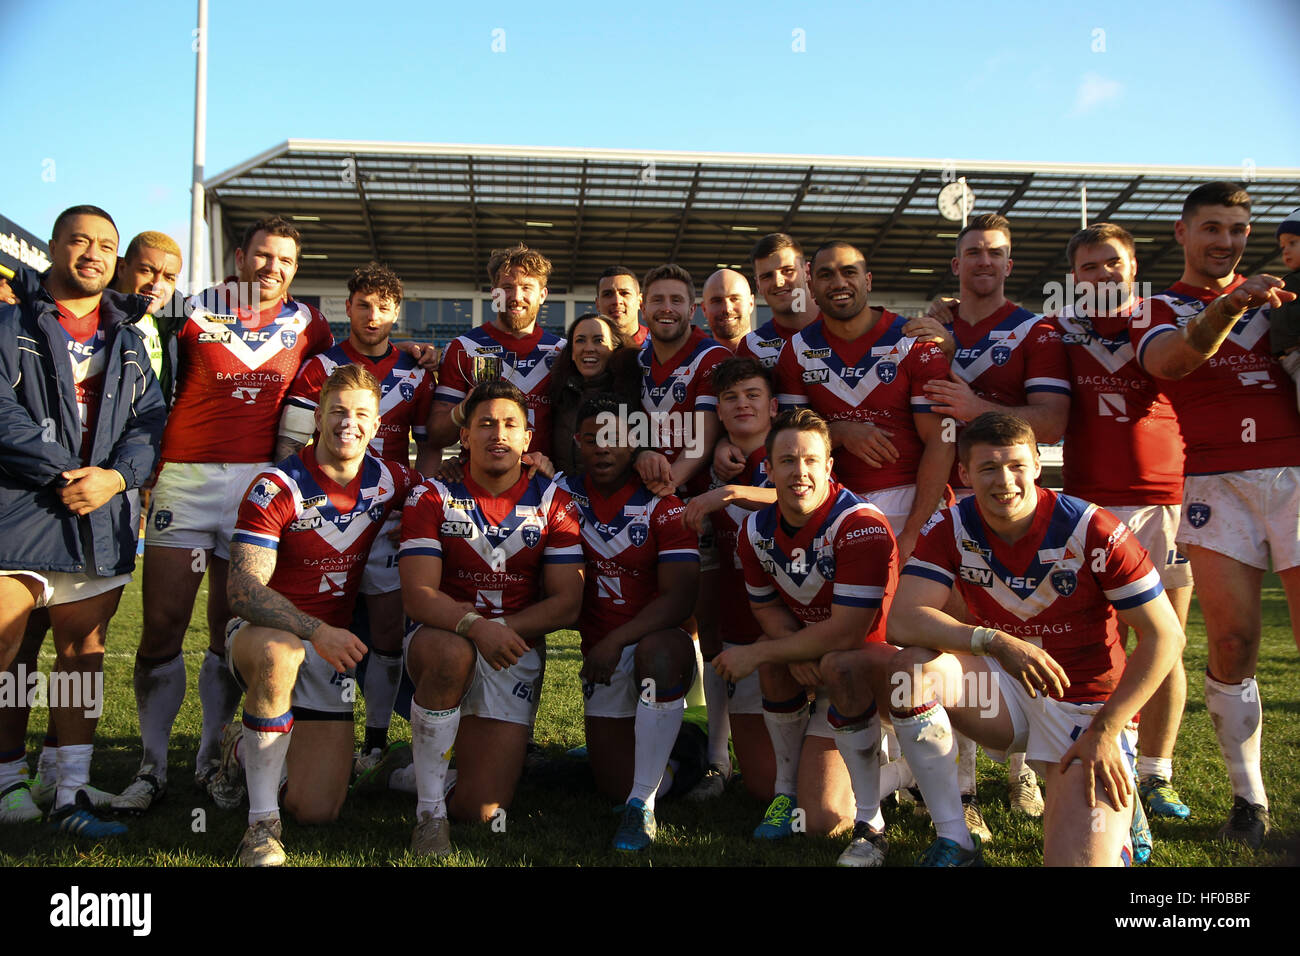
column 251, row 568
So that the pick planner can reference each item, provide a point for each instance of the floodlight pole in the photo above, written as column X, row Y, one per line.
column 965, row 205
column 197, row 273
column 1083, row 206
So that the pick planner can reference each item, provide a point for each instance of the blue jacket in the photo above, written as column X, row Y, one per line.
column 40, row 430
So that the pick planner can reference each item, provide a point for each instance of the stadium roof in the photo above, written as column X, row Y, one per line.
column 434, row 211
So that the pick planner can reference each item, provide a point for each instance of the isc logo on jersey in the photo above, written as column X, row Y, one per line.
column 457, row 529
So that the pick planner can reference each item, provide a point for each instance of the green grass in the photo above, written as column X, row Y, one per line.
column 559, row 819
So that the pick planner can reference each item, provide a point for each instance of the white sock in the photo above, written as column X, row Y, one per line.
column 47, row 764
column 433, row 734
column 265, row 744
column 786, row 728
column 74, row 771
column 715, row 699
column 657, row 723
column 13, row 771
column 159, row 693
column 383, row 673
column 889, row 747
column 1016, row 766
column 931, row 752
column 965, row 765
column 219, row 696
column 896, row 775
column 1162, row 767
column 1238, row 718
column 403, row 779
column 858, row 741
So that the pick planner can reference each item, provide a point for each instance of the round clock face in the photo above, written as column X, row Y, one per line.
column 952, row 198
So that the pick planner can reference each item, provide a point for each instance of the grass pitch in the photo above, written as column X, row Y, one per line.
column 558, row 819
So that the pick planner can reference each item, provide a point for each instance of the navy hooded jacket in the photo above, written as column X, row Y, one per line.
column 40, row 435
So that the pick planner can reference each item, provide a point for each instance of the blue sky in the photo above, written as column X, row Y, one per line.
column 101, row 95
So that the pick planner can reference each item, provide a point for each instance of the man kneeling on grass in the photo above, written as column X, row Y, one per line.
column 1043, row 671
column 639, row 658
column 297, row 555
column 489, row 565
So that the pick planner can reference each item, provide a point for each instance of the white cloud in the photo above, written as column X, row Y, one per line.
column 1093, row 91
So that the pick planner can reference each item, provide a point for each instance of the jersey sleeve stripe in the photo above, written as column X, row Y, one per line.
column 860, row 591
column 680, row 554
column 444, row 393
column 786, row 400
column 1147, row 339
column 760, row 594
column 705, row 403
column 1057, row 385
column 259, row 540
column 1145, row 588
column 429, row 546
column 924, row 569
column 569, row 555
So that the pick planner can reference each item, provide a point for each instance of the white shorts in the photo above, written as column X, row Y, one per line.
column 1246, row 515
column 65, row 587
column 745, row 697
column 320, row 692
column 1044, row 728
column 1156, row 527
column 895, row 502
column 194, row 505
column 510, row 694
column 380, row 575
column 618, row 698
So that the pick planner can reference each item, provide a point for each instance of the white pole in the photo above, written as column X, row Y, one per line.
column 965, row 206
column 198, row 274
column 1083, row 206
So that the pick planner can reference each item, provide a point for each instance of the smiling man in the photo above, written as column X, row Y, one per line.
column 80, row 420
column 512, row 347
column 820, row 567
column 239, row 350
column 728, row 307
column 374, row 297
column 1045, row 578
column 150, row 268
column 297, row 558
column 1205, row 340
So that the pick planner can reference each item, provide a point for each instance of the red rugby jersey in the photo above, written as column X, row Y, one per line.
column 1057, row 587
column 321, row 532
column 1122, row 444
column 736, row 623
column 525, row 363
column 1009, row 356
column 625, row 537
column 766, row 342
column 235, row 369
column 845, row 554
column 1238, row 410
column 404, row 408
column 493, row 548
column 879, row 377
